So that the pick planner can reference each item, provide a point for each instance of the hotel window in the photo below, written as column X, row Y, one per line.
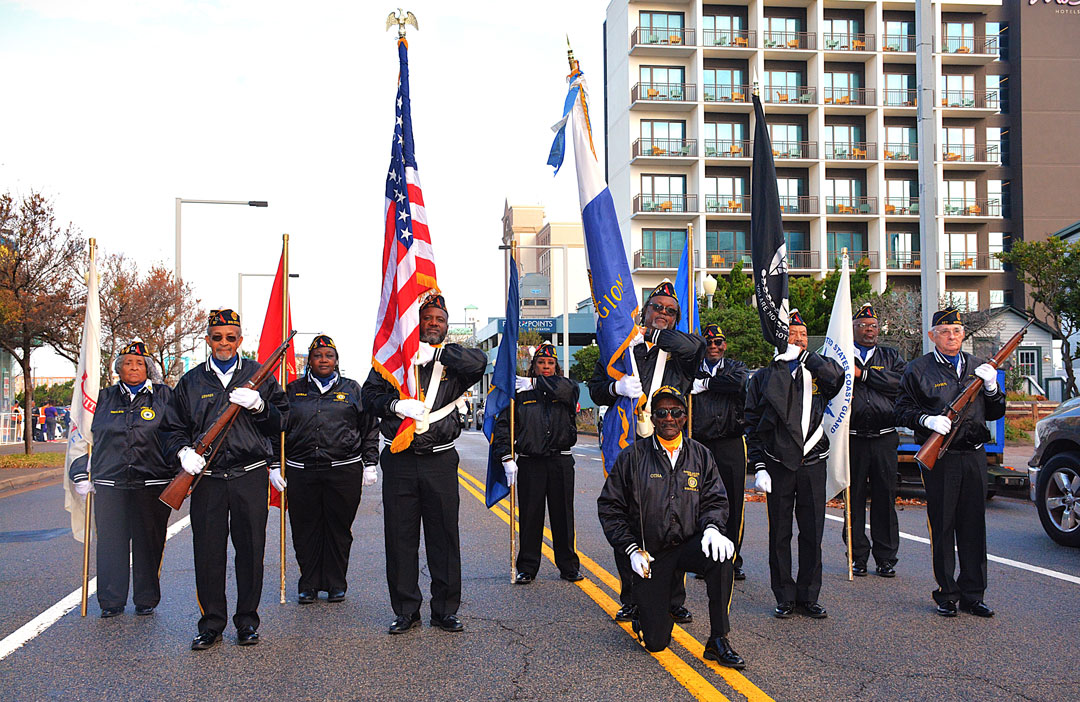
column 721, row 83
column 899, row 36
column 996, row 245
column 958, row 91
column 725, row 194
column 854, row 242
column 995, row 38
column 660, row 136
column 721, row 30
column 782, row 86
column 842, row 88
column 661, row 248
column 901, row 196
column 725, row 243
column 995, row 197
column 780, row 30
column 959, row 195
column 726, row 139
column 786, row 139
column 841, row 140
column 964, row 300
column 993, row 91
column 961, row 252
column 842, row 195
column 959, row 38
column 663, row 82
column 901, row 143
column 993, row 144
column 840, row 33
column 661, row 26
column 790, row 189
column 797, row 242
column 900, row 89
column 663, row 193
column 903, row 250
column 997, row 298
column 959, row 144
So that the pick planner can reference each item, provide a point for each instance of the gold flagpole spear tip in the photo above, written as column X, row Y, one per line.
column 570, row 56
column 401, row 18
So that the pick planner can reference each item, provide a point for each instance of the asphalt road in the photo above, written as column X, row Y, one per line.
column 551, row 639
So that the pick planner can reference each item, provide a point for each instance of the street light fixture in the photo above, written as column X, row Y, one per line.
column 240, row 289
column 710, row 289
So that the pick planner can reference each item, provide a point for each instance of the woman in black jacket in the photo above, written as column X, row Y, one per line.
column 545, row 430
column 127, row 472
column 331, row 450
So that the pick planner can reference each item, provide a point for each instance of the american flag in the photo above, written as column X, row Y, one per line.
column 408, row 260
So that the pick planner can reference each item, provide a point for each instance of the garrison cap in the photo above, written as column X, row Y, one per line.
column 795, row 319
column 223, row 318
column 949, row 315
column 322, row 341
column 545, row 351
column 713, row 331
column 434, row 300
column 667, row 391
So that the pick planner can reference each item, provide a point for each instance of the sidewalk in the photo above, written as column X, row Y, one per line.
column 1016, row 456
column 13, row 478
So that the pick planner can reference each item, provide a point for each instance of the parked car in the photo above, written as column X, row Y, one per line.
column 1054, row 473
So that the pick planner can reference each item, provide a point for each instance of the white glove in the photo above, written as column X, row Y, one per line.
column 700, row 385
column 83, row 488
column 938, row 423
column 410, row 409
column 247, row 398
column 371, row 476
column 511, row 469
column 190, row 461
column 791, row 353
column 628, row 386
column 717, row 546
column 638, row 339
column 988, row 374
column 277, row 480
column 424, row 354
column 523, row 384
column 763, row 481
column 639, row 561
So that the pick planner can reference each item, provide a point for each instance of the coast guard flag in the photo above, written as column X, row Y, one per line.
column 768, row 250
column 503, row 388
column 609, row 275
column 688, row 309
column 840, row 345
column 84, row 401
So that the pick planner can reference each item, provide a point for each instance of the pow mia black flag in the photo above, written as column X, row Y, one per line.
column 767, row 243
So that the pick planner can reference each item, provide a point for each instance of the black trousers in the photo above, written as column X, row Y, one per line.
column 873, row 472
column 956, row 512
column 730, row 456
column 550, row 479
column 800, row 491
column 422, row 489
column 219, row 509
column 627, row 577
column 131, row 526
column 654, row 594
column 322, row 507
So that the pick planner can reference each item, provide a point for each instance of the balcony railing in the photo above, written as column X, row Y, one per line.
column 665, row 203
column 738, row 38
column 727, row 148
column 791, row 94
column 970, row 45
column 790, row 40
column 675, row 92
column 903, row 260
column 726, row 258
column 794, row 149
column 803, row 260
column 848, row 42
column 901, row 152
column 901, row 97
column 989, row 152
column 981, row 99
column 665, row 147
column 846, row 204
column 727, row 203
column 971, row 207
column 660, row 258
column 799, row 204
column 853, row 150
column 965, row 261
column 848, row 96
column 714, row 92
column 671, row 37
column 901, row 206
column 867, row 259
column 898, row 42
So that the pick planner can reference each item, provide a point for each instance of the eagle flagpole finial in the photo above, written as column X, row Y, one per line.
column 401, row 18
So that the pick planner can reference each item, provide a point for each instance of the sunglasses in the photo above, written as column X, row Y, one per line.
column 714, row 342
column 674, row 413
column 669, row 311
column 231, row 338
column 866, row 325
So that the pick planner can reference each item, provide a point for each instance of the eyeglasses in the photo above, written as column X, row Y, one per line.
column 231, row 338
column 867, row 325
column 674, row 412
column 669, row 311
column 714, row 342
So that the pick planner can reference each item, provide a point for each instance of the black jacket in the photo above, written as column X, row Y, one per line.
column 331, row 429
column 545, row 420
column 674, row 504
column 718, row 411
column 462, row 368
column 126, row 451
column 686, row 352
column 873, row 398
column 199, row 399
column 774, row 412
column 930, row 383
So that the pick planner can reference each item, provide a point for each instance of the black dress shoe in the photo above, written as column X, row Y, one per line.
column 979, row 609
column 447, row 622
column 718, row 649
column 886, row 570
column 946, row 608
column 681, row 615
column 247, row 636
column 107, row 612
column 626, row 613
column 740, row 574
column 523, row 579
column 335, row 595
column 403, row 623
column 784, row 610
column 859, row 569
column 573, row 576
column 205, row 640
column 144, row 610
column 812, row 610
column 307, row 596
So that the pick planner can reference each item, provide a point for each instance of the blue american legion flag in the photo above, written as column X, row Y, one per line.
column 609, row 275
column 688, row 303
column 503, row 389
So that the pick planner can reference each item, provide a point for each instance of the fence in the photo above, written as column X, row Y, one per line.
column 11, row 427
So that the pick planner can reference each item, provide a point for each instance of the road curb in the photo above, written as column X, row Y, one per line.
column 21, row 480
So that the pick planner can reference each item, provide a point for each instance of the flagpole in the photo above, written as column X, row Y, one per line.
column 89, row 499
column 284, row 381
column 847, row 489
column 513, row 456
column 690, row 317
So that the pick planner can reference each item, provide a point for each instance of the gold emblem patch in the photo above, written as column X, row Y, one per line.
column 147, row 414
column 340, row 396
column 691, row 482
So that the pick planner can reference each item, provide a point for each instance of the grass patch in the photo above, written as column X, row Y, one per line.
column 36, row 460
column 1016, row 430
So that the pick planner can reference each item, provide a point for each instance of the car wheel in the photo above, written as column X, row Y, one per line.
column 1058, row 498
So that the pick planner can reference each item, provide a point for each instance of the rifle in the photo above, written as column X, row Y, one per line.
column 936, row 446
column 184, row 483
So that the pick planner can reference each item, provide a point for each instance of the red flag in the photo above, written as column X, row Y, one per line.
column 271, row 338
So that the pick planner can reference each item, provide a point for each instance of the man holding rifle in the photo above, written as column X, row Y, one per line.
column 956, row 486
column 233, row 499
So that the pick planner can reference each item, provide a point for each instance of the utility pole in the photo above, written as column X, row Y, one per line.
column 928, row 184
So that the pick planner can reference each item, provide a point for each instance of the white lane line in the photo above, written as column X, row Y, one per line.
column 990, row 557
column 27, row 632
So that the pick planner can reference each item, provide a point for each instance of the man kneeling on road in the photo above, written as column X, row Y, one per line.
column 665, row 494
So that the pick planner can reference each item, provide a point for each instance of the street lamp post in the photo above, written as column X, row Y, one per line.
column 710, row 289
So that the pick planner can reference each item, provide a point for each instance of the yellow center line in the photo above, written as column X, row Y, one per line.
column 733, row 677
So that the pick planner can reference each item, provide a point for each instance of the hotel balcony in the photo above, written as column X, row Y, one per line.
column 971, row 262
column 850, row 151
column 716, row 41
column 901, row 207
column 789, row 42
column 846, row 98
column 724, row 259
column 799, row 205
column 727, row 204
column 902, row 154
column 803, row 261
column 903, row 261
column 848, row 42
column 971, row 50
column 900, row 101
column 795, row 149
column 961, row 155
column 675, row 151
column 646, row 41
column 898, row 44
column 727, row 148
column 866, row 259
column 660, row 259
column 673, row 205
column 712, row 92
column 678, row 97
column 969, row 103
column 794, row 98
column 849, row 205
column 971, row 207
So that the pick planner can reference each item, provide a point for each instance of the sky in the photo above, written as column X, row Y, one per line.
column 114, row 108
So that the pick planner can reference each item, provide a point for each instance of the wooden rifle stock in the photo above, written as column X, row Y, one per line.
column 936, row 446
column 181, row 486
